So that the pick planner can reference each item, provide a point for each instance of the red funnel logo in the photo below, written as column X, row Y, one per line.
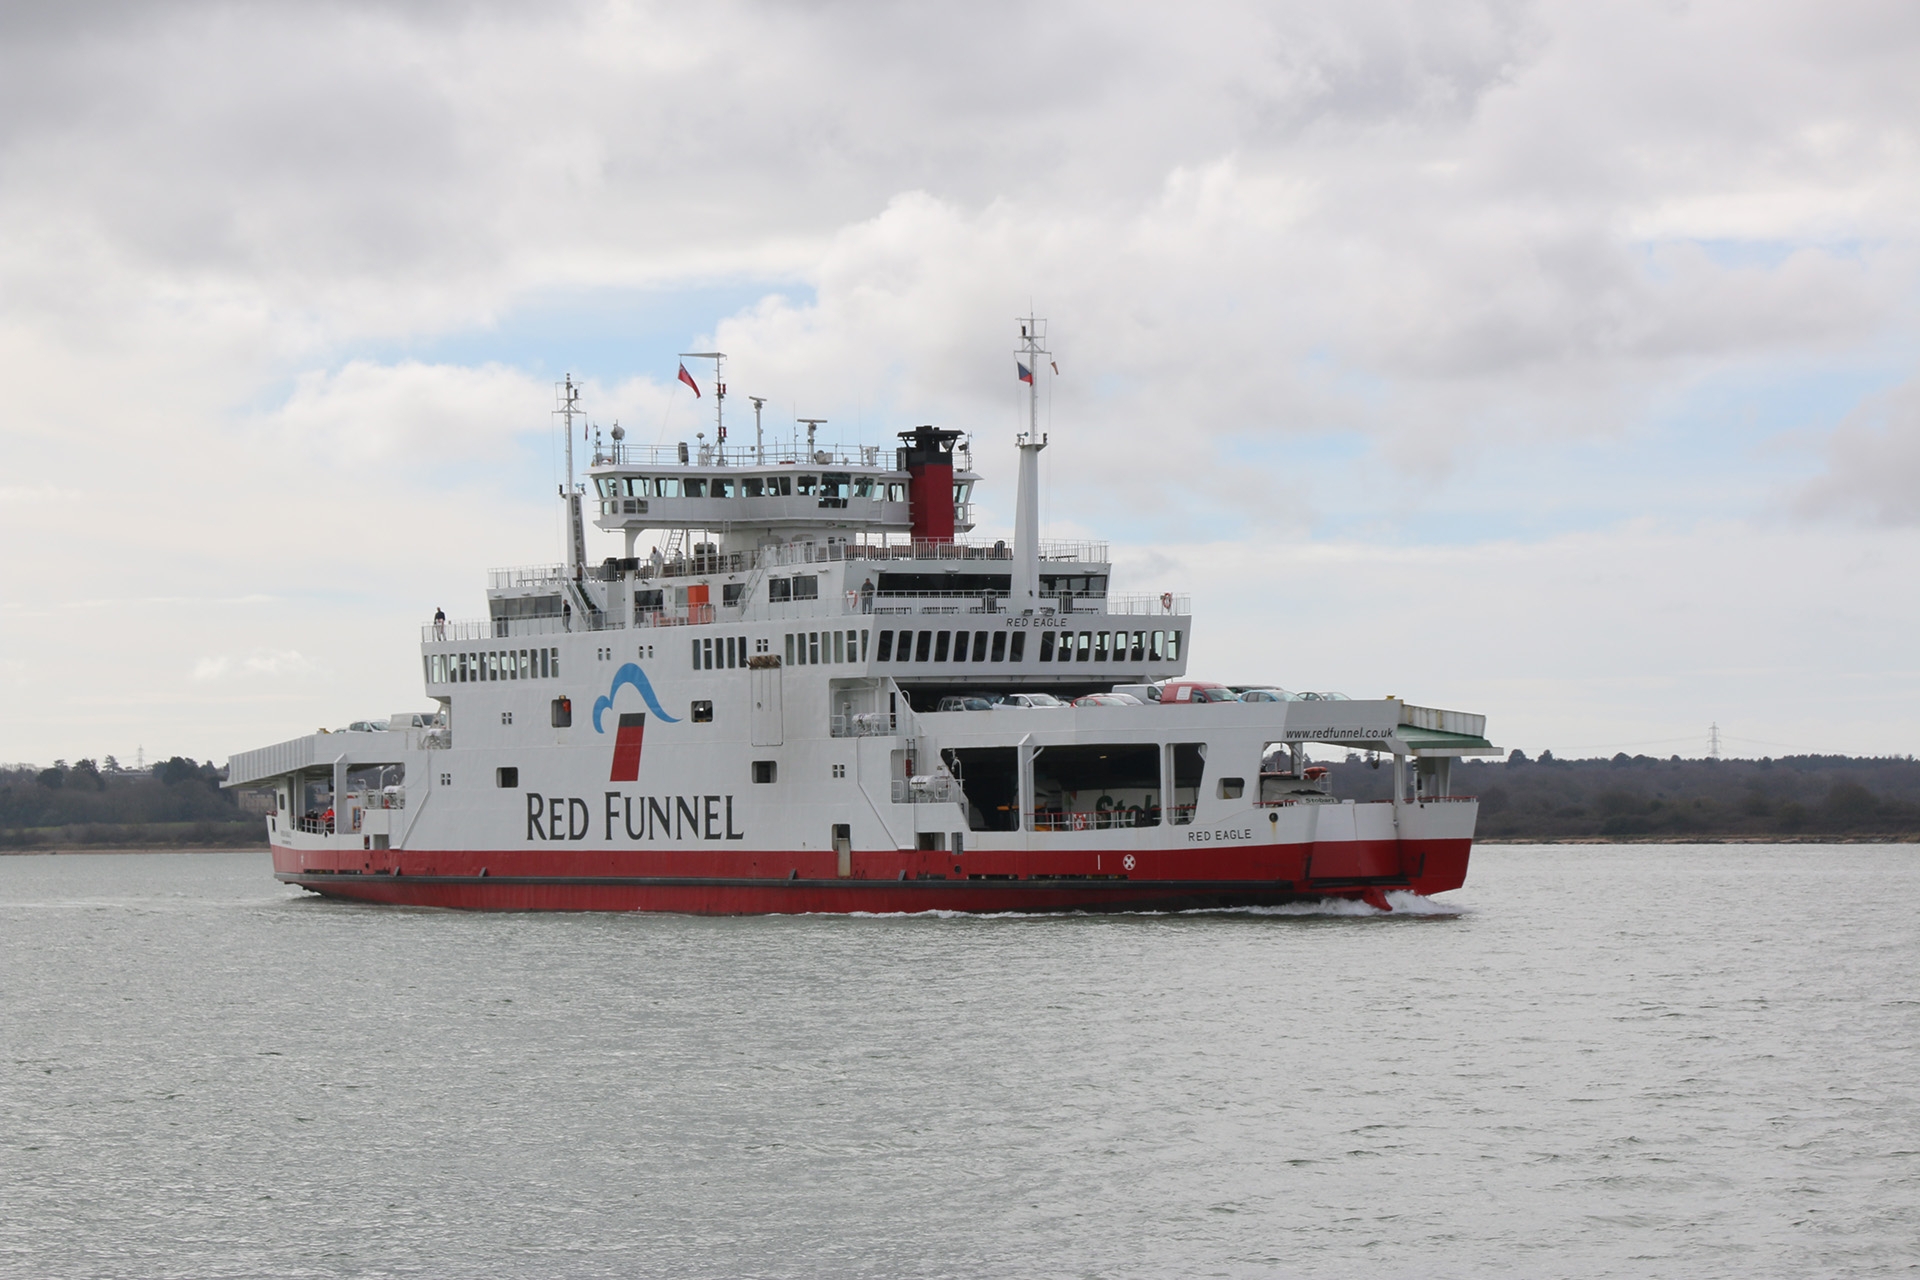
column 626, row 747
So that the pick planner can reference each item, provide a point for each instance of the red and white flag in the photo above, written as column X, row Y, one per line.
column 688, row 379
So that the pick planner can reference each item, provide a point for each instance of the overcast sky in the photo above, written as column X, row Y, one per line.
column 1555, row 361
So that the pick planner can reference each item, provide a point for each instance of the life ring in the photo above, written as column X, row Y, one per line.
column 1166, row 601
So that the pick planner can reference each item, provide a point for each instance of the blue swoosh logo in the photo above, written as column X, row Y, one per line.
column 633, row 675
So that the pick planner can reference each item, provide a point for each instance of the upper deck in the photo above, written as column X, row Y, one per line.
column 775, row 489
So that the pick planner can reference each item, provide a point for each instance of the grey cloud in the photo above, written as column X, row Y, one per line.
column 1873, row 464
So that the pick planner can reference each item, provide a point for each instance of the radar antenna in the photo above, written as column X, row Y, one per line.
column 812, row 425
column 759, row 441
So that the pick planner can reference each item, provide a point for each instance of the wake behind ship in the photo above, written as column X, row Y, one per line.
column 813, row 693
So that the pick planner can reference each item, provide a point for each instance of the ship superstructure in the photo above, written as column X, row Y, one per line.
column 813, row 692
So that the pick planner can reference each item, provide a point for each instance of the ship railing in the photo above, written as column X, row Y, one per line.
column 1165, row 605
column 470, row 629
column 863, row 724
column 1446, row 799
column 803, row 553
column 694, row 615
column 385, row 798
column 928, row 789
column 706, row 455
column 1093, row 819
column 526, row 575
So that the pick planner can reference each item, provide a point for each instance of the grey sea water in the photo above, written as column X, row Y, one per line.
column 1640, row 1061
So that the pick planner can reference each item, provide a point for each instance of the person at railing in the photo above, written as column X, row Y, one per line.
column 439, row 624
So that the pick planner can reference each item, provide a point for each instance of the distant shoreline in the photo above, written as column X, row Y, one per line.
column 43, row 851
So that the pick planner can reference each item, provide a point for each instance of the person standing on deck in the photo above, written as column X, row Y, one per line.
column 439, row 624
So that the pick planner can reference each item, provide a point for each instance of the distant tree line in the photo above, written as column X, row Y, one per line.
column 176, row 802
column 1645, row 798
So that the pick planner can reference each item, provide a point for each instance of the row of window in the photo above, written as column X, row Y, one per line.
column 801, row 586
column 832, row 484
column 494, row 664
column 718, row 653
column 810, row 648
column 1055, row 646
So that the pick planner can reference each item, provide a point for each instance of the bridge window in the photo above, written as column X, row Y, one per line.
column 941, row 640
column 886, row 646
column 1047, row 639
column 923, row 646
column 806, row 587
column 669, row 486
column 720, row 487
column 999, row 646
column 753, row 487
column 1017, row 647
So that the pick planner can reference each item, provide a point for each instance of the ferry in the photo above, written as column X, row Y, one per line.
column 813, row 691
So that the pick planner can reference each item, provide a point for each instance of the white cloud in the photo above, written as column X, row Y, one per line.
column 1380, row 260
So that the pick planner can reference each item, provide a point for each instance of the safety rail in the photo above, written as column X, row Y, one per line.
column 863, row 724
column 525, row 575
column 1094, row 819
column 928, row 789
column 706, row 455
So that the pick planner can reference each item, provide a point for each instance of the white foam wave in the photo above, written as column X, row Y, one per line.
column 1404, row 902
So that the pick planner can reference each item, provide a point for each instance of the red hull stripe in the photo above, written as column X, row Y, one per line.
column 739, row 882
column 626, row 747
column 736, row 896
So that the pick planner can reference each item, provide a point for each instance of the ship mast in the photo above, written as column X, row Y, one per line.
column 1025, row 589
column 569, row 397
column 719, row 399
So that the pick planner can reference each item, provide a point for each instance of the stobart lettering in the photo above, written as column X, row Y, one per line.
column 633, row 817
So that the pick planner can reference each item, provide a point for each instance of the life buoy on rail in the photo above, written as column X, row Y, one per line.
column 1166, row 601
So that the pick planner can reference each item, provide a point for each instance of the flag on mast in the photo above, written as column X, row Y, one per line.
column 1056, row 367
column 1026, row 374
column 688, row 379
